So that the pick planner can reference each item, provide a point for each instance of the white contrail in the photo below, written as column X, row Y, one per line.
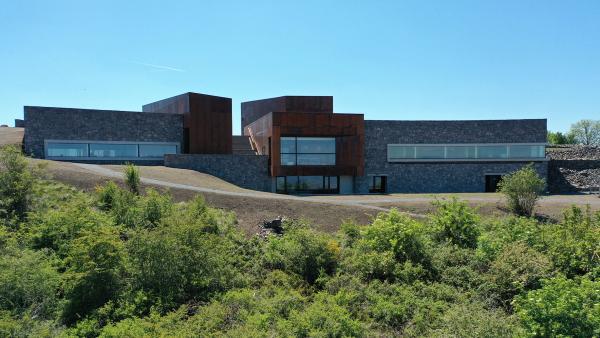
column 159, row 67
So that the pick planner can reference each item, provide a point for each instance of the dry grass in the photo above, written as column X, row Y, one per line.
column 250, row 211
column 11, row 136
column 182, row 176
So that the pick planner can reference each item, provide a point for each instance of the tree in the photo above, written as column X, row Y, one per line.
column 522, row 189
column 132, row 178
column 586, row 132
column 560, row 138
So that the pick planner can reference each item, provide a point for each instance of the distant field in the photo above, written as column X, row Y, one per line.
column 11, row 136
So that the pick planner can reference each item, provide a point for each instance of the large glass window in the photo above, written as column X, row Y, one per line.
column 526, row 151
column 310, row 151
column 307, row 184
column 492, row 152
column 288, row 159
column 316, row 145
column 113, row 150
column 109, row 150
column 316, row 159
column 489, row 152
column 429, row 152
column 157, row 150
column 288, row 145
column 460, row 152
column 401, row 152
column 67, row 149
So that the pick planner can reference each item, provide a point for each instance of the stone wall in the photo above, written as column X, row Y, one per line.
column 574, row 168
column 246, row 171
column 47, row 123
column 436, row 177
column 567, row 176
column 440, row 177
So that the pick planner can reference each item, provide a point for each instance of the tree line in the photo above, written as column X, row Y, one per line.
column 586, row 132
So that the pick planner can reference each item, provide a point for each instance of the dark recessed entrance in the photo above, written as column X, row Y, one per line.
column 491, row 182
column 377, row 184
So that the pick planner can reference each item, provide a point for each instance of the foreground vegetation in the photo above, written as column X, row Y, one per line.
column 124, row 263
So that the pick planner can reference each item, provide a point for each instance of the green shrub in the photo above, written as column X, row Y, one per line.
column 155, row 206
column 322, row 318
column 27, row 326
column 393, row 247
column 302, row 251
column 175, row 263
column 474, row 320
column 29, row 283
column 522, row 189
column 56, row 229
column 517, row 269
column 107, row 195
column 455, row 222
column 574, row 244
column 151, row 326
column 500, row 233
column 132, row 178
column 95, row 272
column 16, row 185
column 561, row 308
column 458, row 267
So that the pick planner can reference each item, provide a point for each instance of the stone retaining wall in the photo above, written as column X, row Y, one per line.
column 246, row 171
column 566, row 176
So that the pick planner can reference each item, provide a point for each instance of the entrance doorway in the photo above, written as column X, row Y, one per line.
column 491, row 182
column 377, row 184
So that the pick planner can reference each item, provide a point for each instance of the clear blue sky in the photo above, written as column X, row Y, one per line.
column 386, row 59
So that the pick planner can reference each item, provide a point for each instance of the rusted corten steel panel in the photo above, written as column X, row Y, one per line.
column 347, row 128
column 253, row 110
column 207, row 119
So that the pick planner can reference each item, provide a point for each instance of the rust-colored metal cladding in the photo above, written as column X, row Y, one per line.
column 253, row 110
column 207, row 121
column 348, row 129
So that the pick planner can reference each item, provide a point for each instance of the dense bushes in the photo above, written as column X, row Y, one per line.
column 16, row 185
column 562, row 307
column 121, row 264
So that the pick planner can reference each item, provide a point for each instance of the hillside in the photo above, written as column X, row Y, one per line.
column 11, row 136
column 112, row 263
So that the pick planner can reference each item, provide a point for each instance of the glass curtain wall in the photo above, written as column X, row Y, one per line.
column 109, row 150
column 400, row 152
column 309, row 151
column 307, row 184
